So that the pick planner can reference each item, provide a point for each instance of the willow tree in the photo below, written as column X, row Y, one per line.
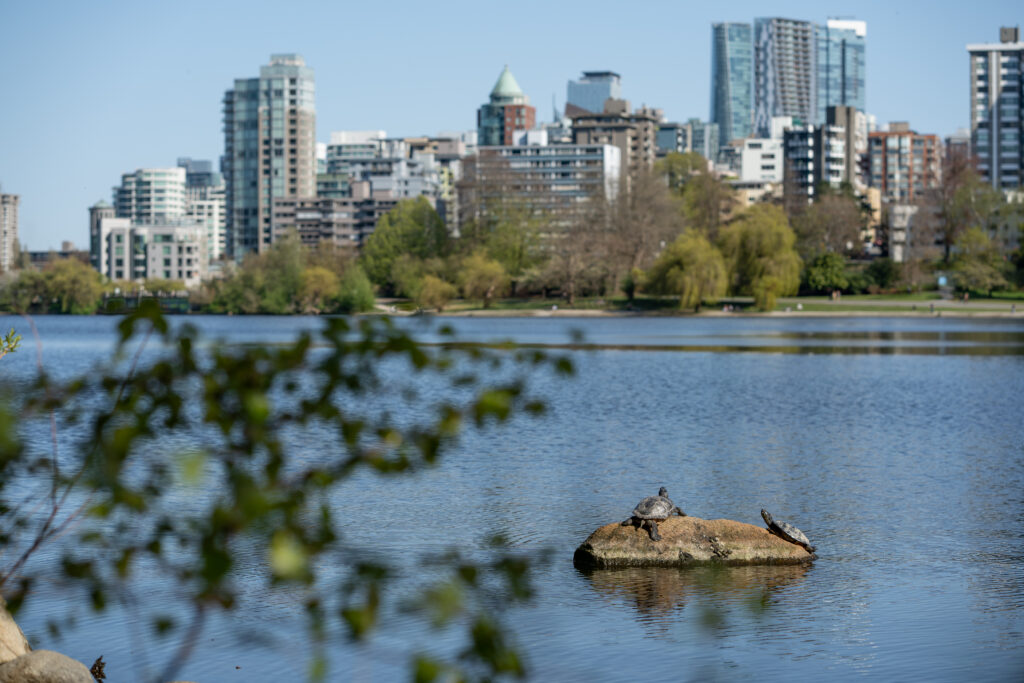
column 759, row 251
column 690, row 268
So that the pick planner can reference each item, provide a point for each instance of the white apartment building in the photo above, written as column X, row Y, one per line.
column 149, row 194
column 762, row 159
column 168, row 250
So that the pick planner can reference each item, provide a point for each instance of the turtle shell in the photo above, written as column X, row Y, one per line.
column 791, row 533
column 654, row 507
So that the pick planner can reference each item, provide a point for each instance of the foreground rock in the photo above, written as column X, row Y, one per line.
column 44, row 666
column 686, row 542
column 12, row 641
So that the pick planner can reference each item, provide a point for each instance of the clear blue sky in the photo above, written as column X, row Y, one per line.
column 89, row 91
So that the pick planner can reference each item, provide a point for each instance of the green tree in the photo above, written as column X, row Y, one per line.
column 884, row 272
column 826, row 273
column 25, row 290
column 758, row 247
column 692, row 268
column 482, row 278
column 355, row 291
column 677, row 168
column 977, row 264
column 433, row 292
column 707, row 202
column 257, row 500
column 318, row 289
column 413, row 228
column 73, row 286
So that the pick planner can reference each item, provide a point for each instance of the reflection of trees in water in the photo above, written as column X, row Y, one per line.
column 660, row 593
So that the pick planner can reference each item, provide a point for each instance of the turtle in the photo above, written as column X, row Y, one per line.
column 652, row 508
column 787, row 532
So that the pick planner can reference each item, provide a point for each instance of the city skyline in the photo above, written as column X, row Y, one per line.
column 92, row 113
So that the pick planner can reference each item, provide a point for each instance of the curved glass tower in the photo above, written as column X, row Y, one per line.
column 732, row 71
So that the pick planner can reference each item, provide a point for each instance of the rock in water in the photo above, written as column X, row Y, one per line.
column 685, row 542
column 12, row 640
column 44, row 666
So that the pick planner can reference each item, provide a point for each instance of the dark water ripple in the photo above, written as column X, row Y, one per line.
column 897, row 445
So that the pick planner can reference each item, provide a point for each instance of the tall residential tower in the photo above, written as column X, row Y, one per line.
column 8, row 230
column 841, row 71
column 997, row 127
column 732, row 72
column 785, row 71
column 269, row 148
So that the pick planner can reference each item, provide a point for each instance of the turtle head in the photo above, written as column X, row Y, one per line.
column 663, row 492
column 767, row 518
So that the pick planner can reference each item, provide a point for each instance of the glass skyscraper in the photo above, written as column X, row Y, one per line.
column 269, row 148
column 732, row 71
column 593, row 89
column 840, row 65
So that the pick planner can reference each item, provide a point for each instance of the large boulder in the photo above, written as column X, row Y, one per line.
column 12, row 641
column 685, row 542
column 44, row 666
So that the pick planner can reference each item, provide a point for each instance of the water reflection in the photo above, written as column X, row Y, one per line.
column 660, row 594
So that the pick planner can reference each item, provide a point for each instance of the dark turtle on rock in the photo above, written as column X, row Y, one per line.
column 652, row 508
column 787, row 532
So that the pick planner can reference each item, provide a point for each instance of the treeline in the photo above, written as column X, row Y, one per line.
column 676, row 231
column 287, row 278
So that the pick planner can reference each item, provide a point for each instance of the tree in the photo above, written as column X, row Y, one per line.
column 355, row 293
column 644, row 218
column 433, row 292
column 833, row 223
column 758, row 247
column 977, row 264
column 677, row 168
column 258, row 501
column 482, row 278
column 413, row 228
column 962, row 200
column 707, row 202
column 691, row 268
column 884, row 272
column 73, row 286
column 826, row 273
column 319, row 286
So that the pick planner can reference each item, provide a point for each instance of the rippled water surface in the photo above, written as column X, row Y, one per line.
column 897, row 445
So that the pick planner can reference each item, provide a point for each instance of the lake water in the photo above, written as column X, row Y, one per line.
column 896, row 445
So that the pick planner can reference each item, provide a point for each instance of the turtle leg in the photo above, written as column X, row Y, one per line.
column 629, row 522
column 654, row 530
column 679, row 511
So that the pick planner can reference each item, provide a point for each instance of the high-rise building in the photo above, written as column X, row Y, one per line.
column 855, row 141
column 785, row 72
column 590, row 92
column 815, row 155
column 8, row 230
column 635, row 134
column 904, row 164
column 269, row 148
column 840, row 64
column 507, row 111
column 997, row 125
column 205, row 202
column 732, row 73
column 151, row 194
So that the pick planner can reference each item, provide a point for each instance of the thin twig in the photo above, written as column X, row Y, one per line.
column 188, row 643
